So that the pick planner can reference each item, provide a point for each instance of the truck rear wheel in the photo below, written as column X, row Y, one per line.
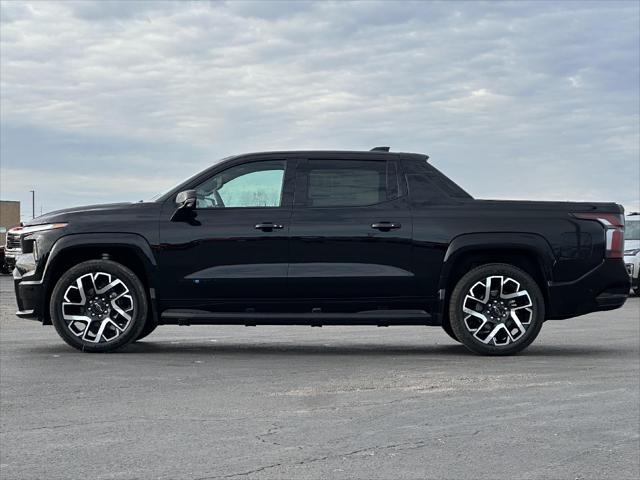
column 496, row 309
column 98, row 306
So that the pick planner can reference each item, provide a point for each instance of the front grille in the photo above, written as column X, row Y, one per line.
column 13, row 241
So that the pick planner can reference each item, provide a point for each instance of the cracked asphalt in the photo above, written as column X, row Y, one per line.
column 333, row 402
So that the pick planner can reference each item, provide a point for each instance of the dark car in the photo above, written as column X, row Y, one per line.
column 321, row 238
column 4, row 268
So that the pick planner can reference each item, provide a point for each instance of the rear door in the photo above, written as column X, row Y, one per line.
column 350, row 236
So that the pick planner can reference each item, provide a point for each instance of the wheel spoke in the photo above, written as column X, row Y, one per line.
column 77, row 318
column 516, row 320
column 121, row 312
column 120, row 329
column 101, row 331
column 86, row 331
column 522, row 301
column 108, row 287
column 493, row 333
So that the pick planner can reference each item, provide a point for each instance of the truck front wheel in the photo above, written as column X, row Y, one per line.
column 446, row 326
column 148, row 329
column 496, row 309
column 98, row 306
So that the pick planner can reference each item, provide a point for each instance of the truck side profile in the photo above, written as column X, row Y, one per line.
column 321, row 238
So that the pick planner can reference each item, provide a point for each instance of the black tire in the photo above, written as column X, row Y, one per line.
column 147, row 330
column 500, row 313
column 446, row 326
column 97, row 271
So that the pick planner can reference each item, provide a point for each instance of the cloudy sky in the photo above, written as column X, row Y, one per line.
column 117, row 100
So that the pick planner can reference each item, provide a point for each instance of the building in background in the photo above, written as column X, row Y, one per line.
column 9, row 217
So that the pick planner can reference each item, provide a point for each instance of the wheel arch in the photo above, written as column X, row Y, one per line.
column 130, row 250
column 527, row 251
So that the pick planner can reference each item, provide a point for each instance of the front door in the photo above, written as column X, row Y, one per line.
column 350, row 236
column 233, row 255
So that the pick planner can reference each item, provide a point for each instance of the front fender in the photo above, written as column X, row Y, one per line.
column 131, row 241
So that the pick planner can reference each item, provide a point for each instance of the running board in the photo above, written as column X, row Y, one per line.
column 381, row 318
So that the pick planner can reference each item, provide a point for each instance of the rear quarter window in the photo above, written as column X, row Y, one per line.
column 427, row 184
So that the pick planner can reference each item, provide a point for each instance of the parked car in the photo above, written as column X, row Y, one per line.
column 12, row 248
column 632, row 249
column 321, row 238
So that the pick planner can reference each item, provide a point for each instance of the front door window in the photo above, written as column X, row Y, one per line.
column 250, row 185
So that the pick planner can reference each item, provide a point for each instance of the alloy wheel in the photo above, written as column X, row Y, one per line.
column 497, row 310
column 98, row 307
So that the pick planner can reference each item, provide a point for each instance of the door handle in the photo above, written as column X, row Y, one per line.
column 268, row 226
column 385, row 226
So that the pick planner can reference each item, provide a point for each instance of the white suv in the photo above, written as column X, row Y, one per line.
column 632, row 249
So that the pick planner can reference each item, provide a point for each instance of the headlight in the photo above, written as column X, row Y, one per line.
column 631, row 253
column 38, row 228
column 25, row 263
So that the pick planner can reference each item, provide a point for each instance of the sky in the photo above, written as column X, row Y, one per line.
column 119, row 100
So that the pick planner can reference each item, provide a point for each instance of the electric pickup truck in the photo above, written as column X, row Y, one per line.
column 321, row 238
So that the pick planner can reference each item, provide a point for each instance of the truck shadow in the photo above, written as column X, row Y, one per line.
column 367, row 350
column 187, row 348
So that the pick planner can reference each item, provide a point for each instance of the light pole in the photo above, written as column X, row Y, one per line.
column 33, row 203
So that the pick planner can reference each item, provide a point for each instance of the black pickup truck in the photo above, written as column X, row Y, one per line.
column 321, row 238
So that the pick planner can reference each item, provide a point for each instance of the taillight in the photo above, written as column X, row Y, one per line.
column 613, row 224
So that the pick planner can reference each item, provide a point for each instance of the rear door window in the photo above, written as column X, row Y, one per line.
column 346, row 183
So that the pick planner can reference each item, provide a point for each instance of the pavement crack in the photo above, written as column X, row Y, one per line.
column 241, row 474
column 77, row 424
column 408, row 445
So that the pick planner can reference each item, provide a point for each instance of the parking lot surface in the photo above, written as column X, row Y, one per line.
column 332, row 402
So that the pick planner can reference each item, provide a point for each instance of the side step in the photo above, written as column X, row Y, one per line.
column 380, row 318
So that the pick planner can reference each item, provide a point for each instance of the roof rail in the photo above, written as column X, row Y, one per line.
column 380, row 149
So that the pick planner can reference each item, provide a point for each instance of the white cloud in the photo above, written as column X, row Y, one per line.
column 496, row 93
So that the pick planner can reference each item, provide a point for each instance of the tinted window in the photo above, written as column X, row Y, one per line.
column 342, row 183
column 257, row 184
column 438, row 183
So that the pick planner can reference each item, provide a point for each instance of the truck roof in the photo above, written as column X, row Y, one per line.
column 377, row 152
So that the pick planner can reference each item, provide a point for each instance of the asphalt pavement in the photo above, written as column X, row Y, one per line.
column 335, row 402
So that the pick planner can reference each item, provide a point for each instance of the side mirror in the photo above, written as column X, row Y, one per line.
column 186, row 199
column 186, row 202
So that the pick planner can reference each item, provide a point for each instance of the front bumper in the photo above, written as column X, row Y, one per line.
column 30, row 292
column 606, row 287
column 10, row 256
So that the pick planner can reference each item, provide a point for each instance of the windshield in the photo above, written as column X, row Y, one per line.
column 177, row 187
column 159, row 195
column 632, row 230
